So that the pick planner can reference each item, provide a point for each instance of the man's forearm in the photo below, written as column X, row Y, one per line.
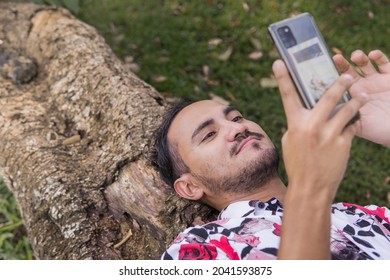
column 306, row 227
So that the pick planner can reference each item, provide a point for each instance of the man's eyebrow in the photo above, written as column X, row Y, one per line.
column 204, row 124
column 228, row 109
column 208, row 122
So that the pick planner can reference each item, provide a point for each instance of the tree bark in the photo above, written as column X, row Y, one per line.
column 75, row 134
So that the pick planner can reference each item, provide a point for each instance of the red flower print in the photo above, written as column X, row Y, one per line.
column 379, row 211
column 224, row 245
column 197, row 251
column 277, row 229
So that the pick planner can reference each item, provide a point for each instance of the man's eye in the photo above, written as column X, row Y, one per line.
column 237, row 118
column 208, row 135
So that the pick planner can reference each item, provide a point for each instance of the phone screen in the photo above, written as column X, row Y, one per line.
column 314, row 67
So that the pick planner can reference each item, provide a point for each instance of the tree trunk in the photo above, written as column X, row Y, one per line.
column 75, row 131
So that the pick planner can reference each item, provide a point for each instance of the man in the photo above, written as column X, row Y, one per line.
column 209, row 152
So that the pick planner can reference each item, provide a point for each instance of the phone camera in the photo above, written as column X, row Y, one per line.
column 287, row 37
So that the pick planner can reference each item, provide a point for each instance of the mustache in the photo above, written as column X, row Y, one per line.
column 242, row 136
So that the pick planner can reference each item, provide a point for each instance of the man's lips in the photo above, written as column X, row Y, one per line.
column 243, row 139
column 245, row 142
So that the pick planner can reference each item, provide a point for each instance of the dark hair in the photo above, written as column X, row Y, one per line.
column 165, row 156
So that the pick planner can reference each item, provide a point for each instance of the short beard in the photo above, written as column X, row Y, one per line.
column 253, row 177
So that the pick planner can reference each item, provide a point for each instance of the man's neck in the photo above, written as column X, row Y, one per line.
column 273, row 189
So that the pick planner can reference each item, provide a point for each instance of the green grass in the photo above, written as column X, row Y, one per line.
column 169, row 42
column 169, row 39
column 14, row 244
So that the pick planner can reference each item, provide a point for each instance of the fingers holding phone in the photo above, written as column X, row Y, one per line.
column 291, row 102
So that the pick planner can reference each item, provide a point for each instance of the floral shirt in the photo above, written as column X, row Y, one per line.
column 251, row 230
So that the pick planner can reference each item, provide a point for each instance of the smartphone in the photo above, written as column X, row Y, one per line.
column 307, row 58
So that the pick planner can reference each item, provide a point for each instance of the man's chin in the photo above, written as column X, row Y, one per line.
column 249, row 174
column 251, row 146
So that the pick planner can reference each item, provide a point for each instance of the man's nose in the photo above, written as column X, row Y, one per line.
column 234, row 130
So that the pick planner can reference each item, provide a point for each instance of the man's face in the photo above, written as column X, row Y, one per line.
column 224, row 151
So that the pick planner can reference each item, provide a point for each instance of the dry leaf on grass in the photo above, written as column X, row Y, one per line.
column 128, row 59
column 336, row 50
column 256, row 55
column 215, row 41
column 246, row 7
column 119, row 38
column 226, row 54
column 130, row 65
column 212, row 83
column 163, row 59
column 256, row 43
column 206, row 71
column 219, row 99
column 159, row 79
column 268, row 82
column 231, row 96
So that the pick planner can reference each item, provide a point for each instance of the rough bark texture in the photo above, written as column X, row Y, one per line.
column 75, row 128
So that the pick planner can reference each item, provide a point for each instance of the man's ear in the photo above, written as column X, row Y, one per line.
column 188, row 188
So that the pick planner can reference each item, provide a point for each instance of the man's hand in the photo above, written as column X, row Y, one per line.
column 315, row 147
column 375, row 115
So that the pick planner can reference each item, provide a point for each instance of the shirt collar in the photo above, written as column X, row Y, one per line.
column 251, row 208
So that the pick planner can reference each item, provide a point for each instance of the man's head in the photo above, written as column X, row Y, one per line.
column 207, row 150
